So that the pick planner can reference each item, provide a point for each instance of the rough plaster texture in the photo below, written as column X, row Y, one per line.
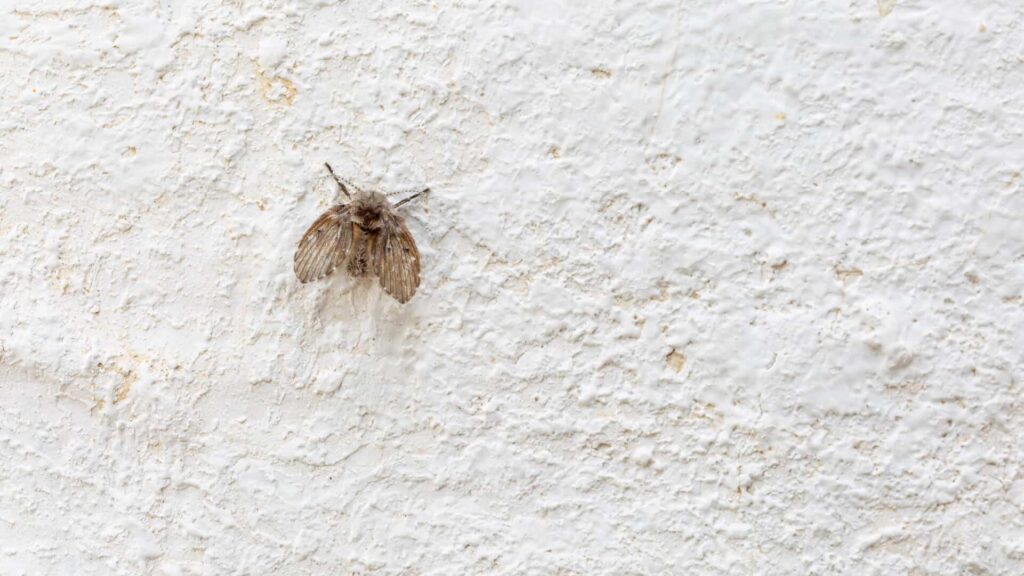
column 709, row 288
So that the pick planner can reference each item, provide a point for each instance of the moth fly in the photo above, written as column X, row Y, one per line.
column 368, row 235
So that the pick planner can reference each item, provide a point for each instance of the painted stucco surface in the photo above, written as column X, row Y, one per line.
column 709, row 288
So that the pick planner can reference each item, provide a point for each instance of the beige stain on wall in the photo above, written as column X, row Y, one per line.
column 675, row 360
column 276, row 90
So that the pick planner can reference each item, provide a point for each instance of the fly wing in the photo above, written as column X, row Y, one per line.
column 324, row 245
column 396, row 260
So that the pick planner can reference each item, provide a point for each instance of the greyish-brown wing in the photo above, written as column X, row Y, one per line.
column 324, row 245
column 397, row 261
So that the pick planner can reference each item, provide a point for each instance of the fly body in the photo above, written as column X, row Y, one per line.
column 367, row 235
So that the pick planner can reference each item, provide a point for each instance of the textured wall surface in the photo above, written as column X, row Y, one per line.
column 709, row 288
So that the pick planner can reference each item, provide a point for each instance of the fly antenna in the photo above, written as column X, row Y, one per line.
column 423, row 192
column 340, row 182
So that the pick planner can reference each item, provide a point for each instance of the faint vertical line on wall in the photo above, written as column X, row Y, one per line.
column 668, row 73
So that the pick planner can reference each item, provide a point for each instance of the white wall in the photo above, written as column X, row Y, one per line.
column 709, row 288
